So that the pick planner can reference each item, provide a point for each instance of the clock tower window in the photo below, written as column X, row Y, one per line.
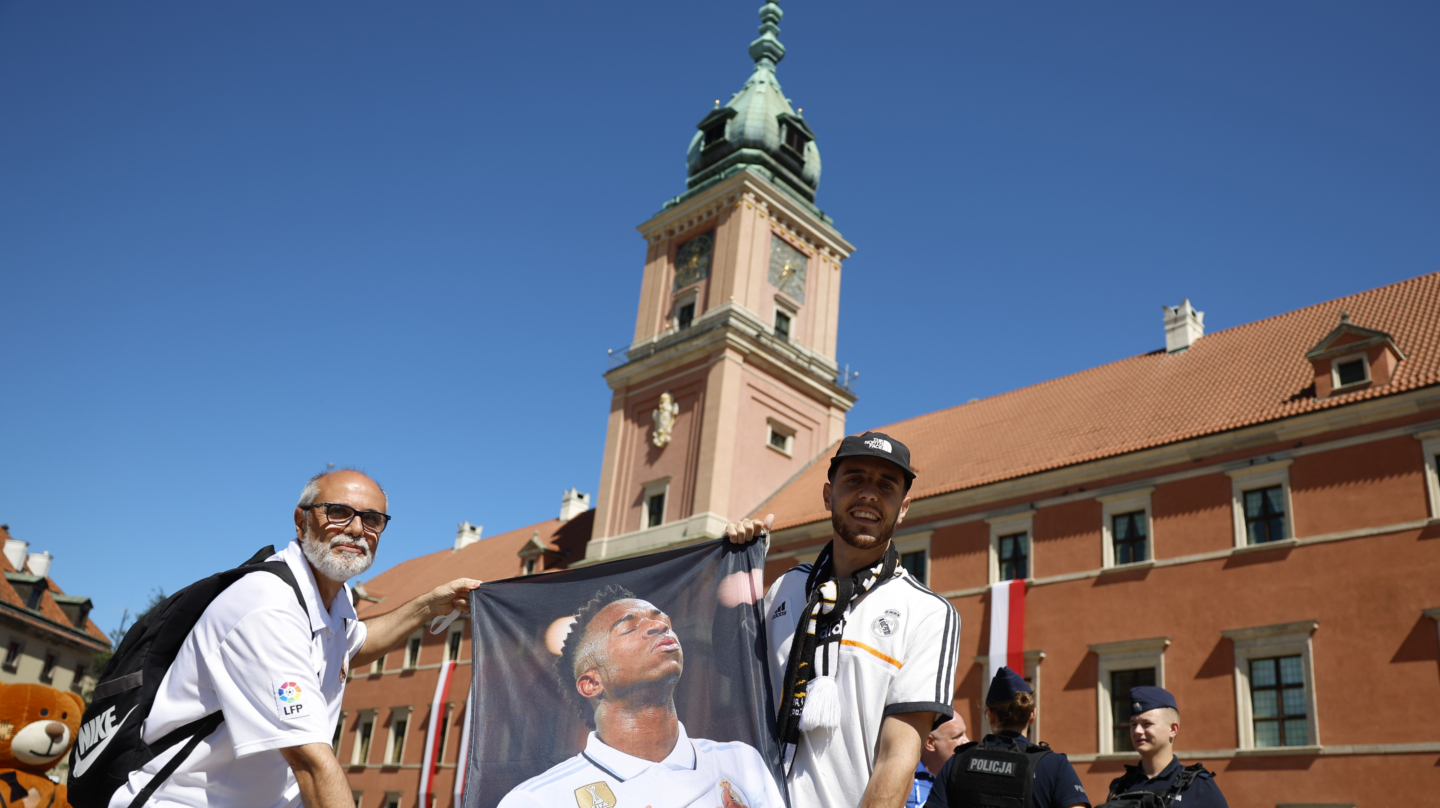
column 686, row 315
column 655, row 509
column 782, row 325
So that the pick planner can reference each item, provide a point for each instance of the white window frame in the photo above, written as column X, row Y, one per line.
column 377, row 667
column 784, row 306
column 357, row 797
column 393, row 799
column 786, row 432
column 362, row 718
column 661, row 486
column 689, row 298
column 1032, row 672
column 1007, row 525
column 1259, row 642
column 339, row 733
column 459, row 646
column 396, row 714
column 1260, row 475
column 1113, row 505
column 1335, row 371
column 1430, row 445
column 412, row 664
column 916, row 543
column 1124, row 655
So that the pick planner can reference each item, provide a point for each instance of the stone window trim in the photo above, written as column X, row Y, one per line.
column 689, row 297
column 14, row 650
column 1250, row 478
column 1006, row 525
column 786, row 433
column 1032, row 673
column 362, row 719
column 650, row 489
column 339, row 733
column 1112, row 505
column 1430, row 445
column 1335, row 364
column 1123, row 655
column 415, row 642
column 393, row 799
column 395, row 744
column 916, row 543
column 453, row 643
column 1259, row 642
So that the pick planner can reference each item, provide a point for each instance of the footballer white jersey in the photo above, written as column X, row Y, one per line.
column 696, row 774
column 894, row 652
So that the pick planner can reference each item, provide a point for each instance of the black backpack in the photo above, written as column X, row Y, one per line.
column 1156, row 799
column 998, row 772
column 109, row 746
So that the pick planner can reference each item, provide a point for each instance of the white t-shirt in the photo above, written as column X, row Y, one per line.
column 275, row 669
column 895, row 653
column 696, row 774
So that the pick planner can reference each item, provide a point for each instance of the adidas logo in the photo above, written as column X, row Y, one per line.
column 879, row 443
column 779, row 610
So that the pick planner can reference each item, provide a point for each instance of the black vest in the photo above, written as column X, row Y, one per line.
column 997, row 772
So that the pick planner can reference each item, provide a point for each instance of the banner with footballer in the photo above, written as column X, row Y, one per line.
column 638, row 683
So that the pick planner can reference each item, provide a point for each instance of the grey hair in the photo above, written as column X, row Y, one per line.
column 311, row 491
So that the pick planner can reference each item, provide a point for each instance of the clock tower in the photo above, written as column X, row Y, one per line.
column 730, row 386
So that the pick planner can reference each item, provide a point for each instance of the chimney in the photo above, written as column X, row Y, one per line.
column 467, row 535
column 1183, row 325
column 15, row 552
column 39, row 563
column 572, row 504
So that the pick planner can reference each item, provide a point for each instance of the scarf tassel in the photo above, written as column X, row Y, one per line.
column 822, row 705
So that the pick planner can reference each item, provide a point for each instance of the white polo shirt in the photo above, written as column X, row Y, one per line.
column 696, row 774
column 895, row 653
column 276, row 671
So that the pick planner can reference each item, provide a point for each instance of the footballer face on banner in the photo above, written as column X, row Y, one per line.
column 636, row 683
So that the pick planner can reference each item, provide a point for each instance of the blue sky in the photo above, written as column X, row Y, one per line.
column 240, row 241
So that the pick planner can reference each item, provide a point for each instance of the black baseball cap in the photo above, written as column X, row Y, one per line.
column 874, row 444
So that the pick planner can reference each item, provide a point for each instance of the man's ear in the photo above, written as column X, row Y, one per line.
column 589, row 684
column 300, row 523
column 825, row 493
column 904, row 507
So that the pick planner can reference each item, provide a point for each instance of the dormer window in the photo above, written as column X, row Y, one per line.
column 1353, row 358
column 795, row 140
column 794, row 135
column 714, row 133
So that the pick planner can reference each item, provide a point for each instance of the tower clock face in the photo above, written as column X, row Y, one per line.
column 692, row 260
column 787, row 268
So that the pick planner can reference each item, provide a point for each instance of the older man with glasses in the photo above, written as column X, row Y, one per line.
column 276, row 667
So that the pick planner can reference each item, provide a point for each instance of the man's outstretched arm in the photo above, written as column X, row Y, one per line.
column 322, row 781
column 386, row 632
column 901, row 738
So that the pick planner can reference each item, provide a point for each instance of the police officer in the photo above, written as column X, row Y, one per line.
column 1154, row 723
column 977, row 767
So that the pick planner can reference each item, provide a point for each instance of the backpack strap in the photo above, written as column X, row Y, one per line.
column 198, row 730
column 1186, row 776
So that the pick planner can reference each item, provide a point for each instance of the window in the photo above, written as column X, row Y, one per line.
column 1131, row 541
column 1277, row 701
column 339, row 728
column 655, row 509
column 1126, row 528
column 444, row 733
column 364, row 730
column 1260, row 497
column 377, row 667
column 47, row 669
column 399, row 724
column 12, row 655
column 392, row 799
column 1015, row 557
column 1121, row 666
column 412, row 652
column 914, row 563
column 914, row 550
column 357, row 796
column 686, row 315
column 452, row 645
column 1349, row 370
column 1032, row 678
column 1275, row 685
column 37, row 590
column 529, row 566
column 1430, row 447
column 1265, row 515
column 714, row 133
column 692, row 260
column 1011, row 554
column 781, row 438
column 782, row 325
column 78, row 683
column 1120, row 684
column 795, row 139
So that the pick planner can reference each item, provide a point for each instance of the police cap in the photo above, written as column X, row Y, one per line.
column 1144, row 698
column 1005, row 685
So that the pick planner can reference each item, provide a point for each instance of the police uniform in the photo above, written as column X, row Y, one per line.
column 696, row 774
column 1202, row 791
column 920, row 789
column 1055, row 783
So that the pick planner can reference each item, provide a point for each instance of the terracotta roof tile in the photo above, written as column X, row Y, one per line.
column 491, row 559
column 1241, row 376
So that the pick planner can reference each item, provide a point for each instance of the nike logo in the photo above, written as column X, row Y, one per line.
column 99, row 732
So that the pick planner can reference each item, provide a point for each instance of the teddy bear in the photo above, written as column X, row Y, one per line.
column 37, row 727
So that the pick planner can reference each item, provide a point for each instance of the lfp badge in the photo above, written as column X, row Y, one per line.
column 289, row 699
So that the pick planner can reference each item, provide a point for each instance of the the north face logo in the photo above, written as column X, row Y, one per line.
column 779, row 610
column 879, row 443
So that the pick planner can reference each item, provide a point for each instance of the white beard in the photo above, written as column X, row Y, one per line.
column 338, row 568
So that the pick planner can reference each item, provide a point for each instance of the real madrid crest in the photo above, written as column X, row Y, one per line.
column 595, row 795
column 886, row 624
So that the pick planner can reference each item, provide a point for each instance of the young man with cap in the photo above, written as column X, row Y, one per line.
column 863, row 655
column 999, row 766
column 1154, row 723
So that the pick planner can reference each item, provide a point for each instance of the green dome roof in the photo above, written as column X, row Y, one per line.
column 758, row 129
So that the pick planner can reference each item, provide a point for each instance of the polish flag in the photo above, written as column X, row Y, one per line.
column 432, row 733
column 1007, row 627
column 463, row 760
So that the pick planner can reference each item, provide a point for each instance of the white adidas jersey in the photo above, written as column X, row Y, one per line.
column 895, row 653
column 697, row 774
